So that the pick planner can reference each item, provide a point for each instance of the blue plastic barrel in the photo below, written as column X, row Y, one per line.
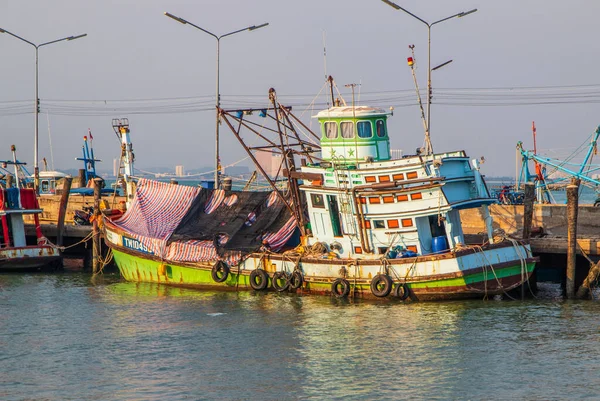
column 439, row 244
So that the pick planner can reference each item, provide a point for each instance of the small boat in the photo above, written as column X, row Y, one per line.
column 352, row 222
column 51, row 180
column 15, row 253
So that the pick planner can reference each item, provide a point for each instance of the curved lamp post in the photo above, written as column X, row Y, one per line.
column 36, row 170
column 218, row 95
column 429, row 149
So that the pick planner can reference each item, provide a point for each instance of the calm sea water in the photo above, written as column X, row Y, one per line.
column 70, row 337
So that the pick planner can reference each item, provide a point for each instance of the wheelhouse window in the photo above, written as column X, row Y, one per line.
column 317, row 200
column 378, row 224
column 381, row 130
column 347, row 129
column 364, row 129
column 331, row 129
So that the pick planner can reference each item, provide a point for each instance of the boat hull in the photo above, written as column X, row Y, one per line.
column 320, row 274
column 29, row 258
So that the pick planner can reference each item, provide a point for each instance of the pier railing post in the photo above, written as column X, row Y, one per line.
column 95, row 228
column 528, row 209
column 572, row 208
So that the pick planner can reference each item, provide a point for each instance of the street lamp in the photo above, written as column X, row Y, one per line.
column 36, row 170
column 429, row 148
column 218, row 95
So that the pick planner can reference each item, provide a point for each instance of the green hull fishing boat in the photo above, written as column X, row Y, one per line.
column 353, row 221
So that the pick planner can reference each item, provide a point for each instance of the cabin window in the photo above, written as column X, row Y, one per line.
column 381, row 131
column 388, row 199
column 416, row 196
column 317, row 200
column 45, row 186
column 331, row 129
column 347, row 129
column 407, row 223
column 378, row 224
column 393, row 224
column 364, row 129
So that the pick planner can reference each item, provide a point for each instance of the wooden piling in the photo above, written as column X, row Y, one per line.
column 96, row 229
column 62, row 210
column 528, row 209
column 572, row 206
column 81, row 178
column 584, row 290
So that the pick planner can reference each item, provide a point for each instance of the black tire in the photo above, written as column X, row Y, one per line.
column 381, row 285
column 259, row 279
column 278, row 276
column 340, row 288
column 220, row 271
column 296, row 280
column 401, row 291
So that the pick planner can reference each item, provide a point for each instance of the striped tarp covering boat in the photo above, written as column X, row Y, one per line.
column 158, row 208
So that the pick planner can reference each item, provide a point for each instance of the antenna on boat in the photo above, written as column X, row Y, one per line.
column 50, row 142
column 411, row 63
column 325, row 55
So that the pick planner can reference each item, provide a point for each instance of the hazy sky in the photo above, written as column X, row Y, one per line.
column 513, row 62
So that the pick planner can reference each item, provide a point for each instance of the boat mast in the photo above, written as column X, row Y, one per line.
column 13, row 149
column 121, row 128
column 330, row 80
column 288, row 159
column 411, row 63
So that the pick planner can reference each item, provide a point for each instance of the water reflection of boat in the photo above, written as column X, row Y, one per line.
column 352, row 221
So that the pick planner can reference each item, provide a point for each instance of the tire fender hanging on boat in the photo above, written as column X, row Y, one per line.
column 220, row 271
column 340, row 288
column 381, row 285
column 296, row 280
column 259, row 279
column 402, row 291
column 281, row 275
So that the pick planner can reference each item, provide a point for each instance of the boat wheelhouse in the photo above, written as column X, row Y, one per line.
column 369, row 203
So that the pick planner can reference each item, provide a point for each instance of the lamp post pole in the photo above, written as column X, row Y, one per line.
column 218, row 94
column 36, row 170
column 429, row 149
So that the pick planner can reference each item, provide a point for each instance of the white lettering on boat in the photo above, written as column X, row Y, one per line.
column 134, row 244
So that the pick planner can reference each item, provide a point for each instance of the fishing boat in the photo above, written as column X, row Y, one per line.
column 353, row 221
column 15, row 253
